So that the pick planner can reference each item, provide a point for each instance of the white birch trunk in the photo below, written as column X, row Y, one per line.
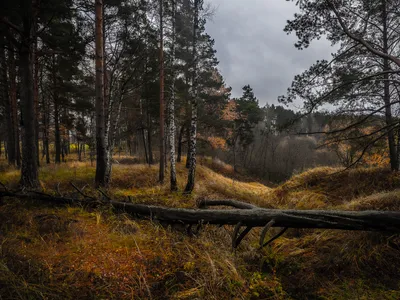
column 193, row 123
column 171, row 109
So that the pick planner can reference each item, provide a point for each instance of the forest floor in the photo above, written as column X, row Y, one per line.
column 54, row 252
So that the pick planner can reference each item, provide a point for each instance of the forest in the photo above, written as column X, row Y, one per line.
column 131, row 169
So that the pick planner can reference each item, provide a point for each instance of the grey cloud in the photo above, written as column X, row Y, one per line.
column 253, row 49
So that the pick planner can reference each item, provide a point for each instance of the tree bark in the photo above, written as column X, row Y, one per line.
column 180, row 137
column 36, row 95
column 13, row 104
column 29, row 170
column 162, row 121
column 244, row 214
column 57, row 135
column 193, row 124
column 188, row 150
column 386, row 91
column 171, row 109
column 101, row 157
column 149, row 139
column 144, row 145
column 4, row 95
column 111, row 140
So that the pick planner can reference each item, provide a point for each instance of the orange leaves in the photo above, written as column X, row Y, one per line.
column 217, row 142
column 230, row 112
column 377, row 160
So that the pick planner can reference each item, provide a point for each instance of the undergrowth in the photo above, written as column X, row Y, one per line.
column 50, row 252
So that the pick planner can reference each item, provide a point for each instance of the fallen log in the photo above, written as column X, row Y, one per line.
column 242, row 215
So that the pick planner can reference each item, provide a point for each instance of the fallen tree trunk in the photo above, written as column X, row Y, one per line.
column 247, row 214
column 243, row 214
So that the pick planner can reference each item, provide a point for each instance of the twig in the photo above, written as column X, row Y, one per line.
column 80, row 192
column 58, row 189
column 264, row 231
column 203, row 203
column 104, row 194
column 235, row 233
column 40, row 193
column 275, row 237
column 241, row 236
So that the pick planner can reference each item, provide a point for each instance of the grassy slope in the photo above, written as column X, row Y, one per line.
column 60, row 253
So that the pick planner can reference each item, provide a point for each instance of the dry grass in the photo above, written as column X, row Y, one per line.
column 330, row 187
column 67, row 252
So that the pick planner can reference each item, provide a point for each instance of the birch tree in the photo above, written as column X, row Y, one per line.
column 193, row 94
column 171, row 106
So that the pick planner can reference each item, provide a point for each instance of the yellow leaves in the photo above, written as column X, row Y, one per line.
column 217, row 142
column 230, row 111
column 377, row 159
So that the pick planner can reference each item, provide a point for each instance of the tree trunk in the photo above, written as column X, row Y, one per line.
column 171, row 109
column 108, row 113
column 193, row 124
column 149, row 143
column 386, row 91
column 79, row 150
column 144, row 145
column 234, row 142
column 45, row 120
column 188, row 150
column 29, row 170
column 243, row 214
column 111, row 140
column 180, row 137
column 101, row 157
column 4, row 96
column 162, row 121
column 57, row 134
column 36, row 96
column 13, row 104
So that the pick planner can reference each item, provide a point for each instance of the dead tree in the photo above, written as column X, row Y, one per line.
column 242, row 215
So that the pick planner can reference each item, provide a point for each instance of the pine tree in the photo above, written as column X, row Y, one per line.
column 162, row 121
column 101, row 156
column 360, row 80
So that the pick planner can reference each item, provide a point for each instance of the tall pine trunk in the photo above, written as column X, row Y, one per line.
column 101, row 156
column 4, row 96
column 171, row 108
column 29, row 170
column 193, row 124
column 12, row 74
column 162, row 131
column 57, row 134
column 149, row 140
column 36, row 96
column 45, row 121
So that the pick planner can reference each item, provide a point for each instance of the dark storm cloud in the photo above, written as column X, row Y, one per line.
column 253, row 49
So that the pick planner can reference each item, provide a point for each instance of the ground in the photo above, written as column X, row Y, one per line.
column 66, row 252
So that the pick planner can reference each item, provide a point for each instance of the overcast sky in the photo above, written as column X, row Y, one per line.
column 253, row 49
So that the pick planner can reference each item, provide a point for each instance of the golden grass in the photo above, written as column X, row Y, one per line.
column 66, row 253
column 330, row 187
